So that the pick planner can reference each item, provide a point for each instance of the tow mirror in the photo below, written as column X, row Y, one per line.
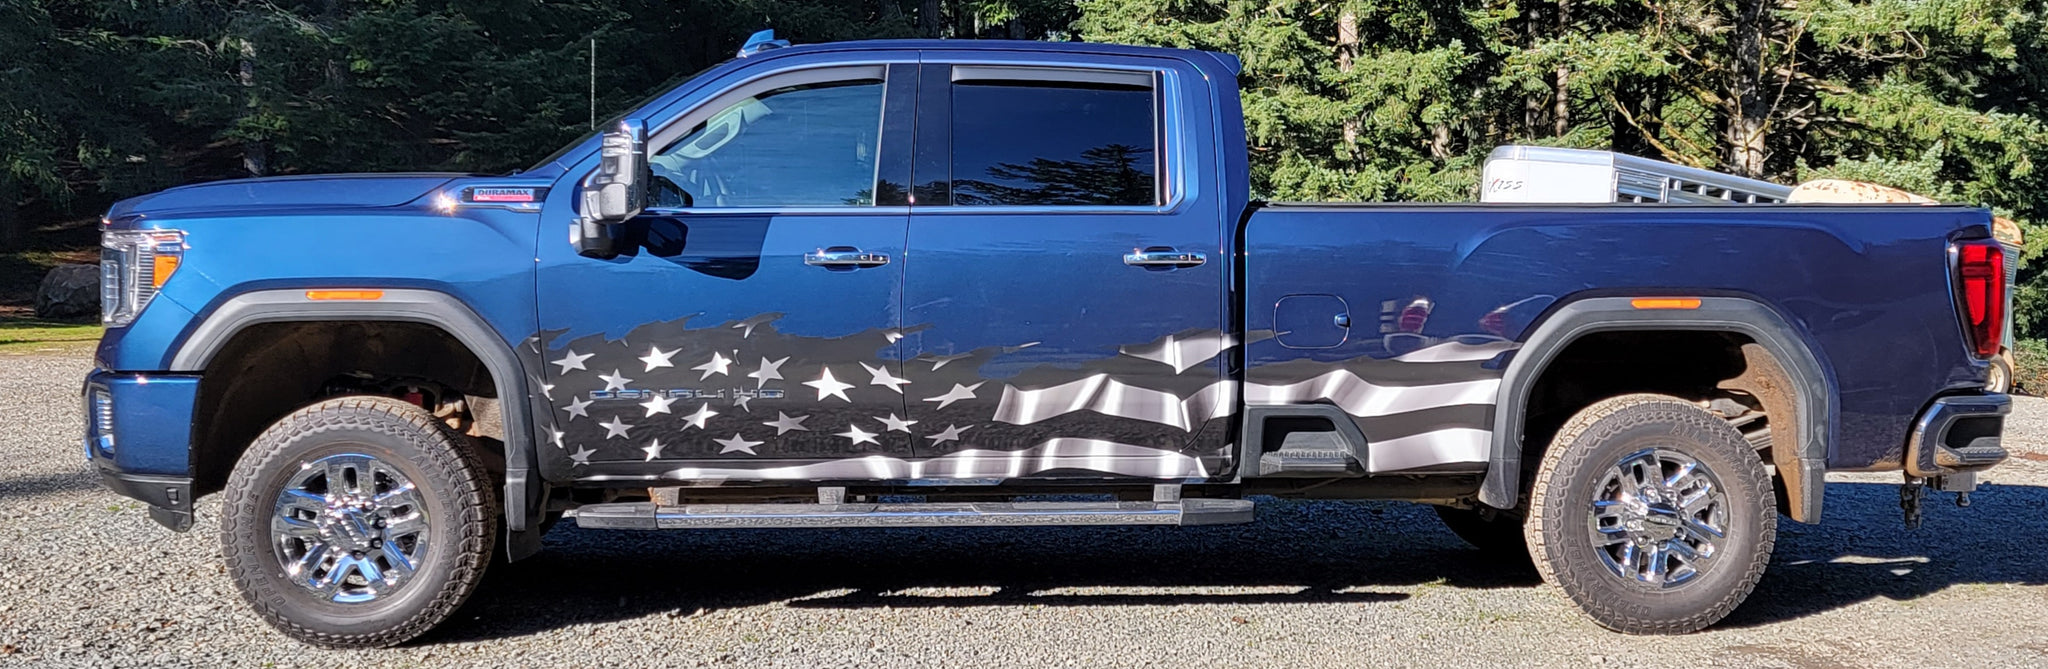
column 615, row 193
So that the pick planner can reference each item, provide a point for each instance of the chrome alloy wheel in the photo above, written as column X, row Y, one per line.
column 350, row 528
column 1658, row 517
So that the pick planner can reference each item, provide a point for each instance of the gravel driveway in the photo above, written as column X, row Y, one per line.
column 87, row 579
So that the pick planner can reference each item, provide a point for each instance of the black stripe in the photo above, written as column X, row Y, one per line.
column 1395, row 426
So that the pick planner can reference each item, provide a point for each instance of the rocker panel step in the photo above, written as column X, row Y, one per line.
column 648, row 516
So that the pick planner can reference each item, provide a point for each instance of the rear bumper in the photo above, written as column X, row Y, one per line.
column 138, row 436
column 1958, row 434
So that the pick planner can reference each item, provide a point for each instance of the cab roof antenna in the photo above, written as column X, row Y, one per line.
column 762, row 41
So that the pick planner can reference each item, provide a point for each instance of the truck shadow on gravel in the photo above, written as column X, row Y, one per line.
column 1297, row 552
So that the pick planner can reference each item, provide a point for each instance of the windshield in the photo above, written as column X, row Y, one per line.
column 613, row 121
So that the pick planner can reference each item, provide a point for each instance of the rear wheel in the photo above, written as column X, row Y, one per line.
column 1652, row 514
column 357, row 522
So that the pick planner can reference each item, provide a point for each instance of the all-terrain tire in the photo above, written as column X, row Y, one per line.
column 1561, row 500
column 453, row 488
column 1494, row 532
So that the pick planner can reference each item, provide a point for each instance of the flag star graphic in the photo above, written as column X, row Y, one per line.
column 578, row 407
column 614, row 380
column 657, row 405
column 859, row 436
column 581, row 456
column 652, row 449
column 615, row 429
column 703, row 415
column 941, row 360
column 784, row 423
column 959, row 392
column 656, row 358
column 718, row 365
column 897, row 424
column 746, row 327
column 547, row 390
column 892, row 335
column 573, row 360
column 951, row 433
column 555, row 435
column 828, row 386
column 741, row 401
column 769, row 371
column 736, row 444
column 882, row 378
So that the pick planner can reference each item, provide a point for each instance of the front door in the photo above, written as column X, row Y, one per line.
column 1065, row 289
column 751, row 331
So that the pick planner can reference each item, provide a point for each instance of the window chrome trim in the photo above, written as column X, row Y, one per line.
column 806, row 210
column 1175, row 155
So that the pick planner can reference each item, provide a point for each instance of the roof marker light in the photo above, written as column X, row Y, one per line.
column 348, row 294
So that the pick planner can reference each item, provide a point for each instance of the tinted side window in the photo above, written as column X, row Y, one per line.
column 1045, row 143
column 811, row 145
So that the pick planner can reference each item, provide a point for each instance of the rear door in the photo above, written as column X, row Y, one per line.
column 750, row 332
column 1064, row 296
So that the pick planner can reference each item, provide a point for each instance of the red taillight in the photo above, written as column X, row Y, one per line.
column 1980, row 270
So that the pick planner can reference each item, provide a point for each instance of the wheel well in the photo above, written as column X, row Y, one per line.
column 269, row 370
column 1729, row 373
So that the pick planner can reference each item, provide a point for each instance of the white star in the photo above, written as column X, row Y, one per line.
column 697, row 420
column 941, row 360
column 653, row 449
column 657, row 405
column 892, row 335
column 959, row 392
column 859, row 436
column 656, row 358
column 741, row 401
column 769, row 371
column 581, row 456
column 736, row 443
column 556, row 435
column 718, row 365
column 882, row 378
column 951, row 433
column 784, row 423
column 897, row 424
column 614, row 380
column 547, row 390
column 616, row 428
column 573, row 361
column 828, row 386
column 746, row 327
column 578, row 407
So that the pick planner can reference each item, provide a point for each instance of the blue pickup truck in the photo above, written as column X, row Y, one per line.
column 923, row 283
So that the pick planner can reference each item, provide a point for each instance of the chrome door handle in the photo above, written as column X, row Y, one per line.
column 1164, row 257
column 845, row 256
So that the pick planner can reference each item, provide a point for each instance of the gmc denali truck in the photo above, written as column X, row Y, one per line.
column 923, row 283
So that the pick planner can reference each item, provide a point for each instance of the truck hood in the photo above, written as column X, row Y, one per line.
column 320, row 191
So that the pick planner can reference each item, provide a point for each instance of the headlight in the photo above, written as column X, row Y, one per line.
column 133, row 265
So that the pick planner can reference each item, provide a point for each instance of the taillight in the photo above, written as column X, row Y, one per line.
column 1980, row 294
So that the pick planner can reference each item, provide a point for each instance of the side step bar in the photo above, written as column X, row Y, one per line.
column 648, row 516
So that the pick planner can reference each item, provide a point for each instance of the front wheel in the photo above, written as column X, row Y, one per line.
column 1652, row 514
column 357, row 522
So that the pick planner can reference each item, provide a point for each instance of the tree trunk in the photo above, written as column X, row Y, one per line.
column 10, row 213
column 929, row 20
column 1746, row 111
column 1532, row 108
column 1561, row 109
column 1347, row 49
column 255, row 152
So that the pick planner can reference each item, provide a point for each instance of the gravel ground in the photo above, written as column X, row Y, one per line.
column 87, row 579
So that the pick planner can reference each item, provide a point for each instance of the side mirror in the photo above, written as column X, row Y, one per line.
column 615, row 193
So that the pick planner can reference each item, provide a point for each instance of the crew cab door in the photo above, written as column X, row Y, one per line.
column 750, row 330
column 1064, row 299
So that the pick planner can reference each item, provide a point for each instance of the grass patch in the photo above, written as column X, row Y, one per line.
column 19, row 336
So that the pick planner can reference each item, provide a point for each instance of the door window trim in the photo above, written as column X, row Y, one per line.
column 1168, row 125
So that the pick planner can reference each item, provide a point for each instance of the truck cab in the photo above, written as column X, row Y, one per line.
column 991, row 283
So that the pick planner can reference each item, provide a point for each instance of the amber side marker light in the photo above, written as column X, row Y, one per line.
column 344, row 295
column 1665, row 303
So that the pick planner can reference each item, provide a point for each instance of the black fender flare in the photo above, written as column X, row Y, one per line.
column 1565, row 324
column 523, row 496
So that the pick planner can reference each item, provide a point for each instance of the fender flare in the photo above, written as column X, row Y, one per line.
column 411, row 305
column 1816, row 388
